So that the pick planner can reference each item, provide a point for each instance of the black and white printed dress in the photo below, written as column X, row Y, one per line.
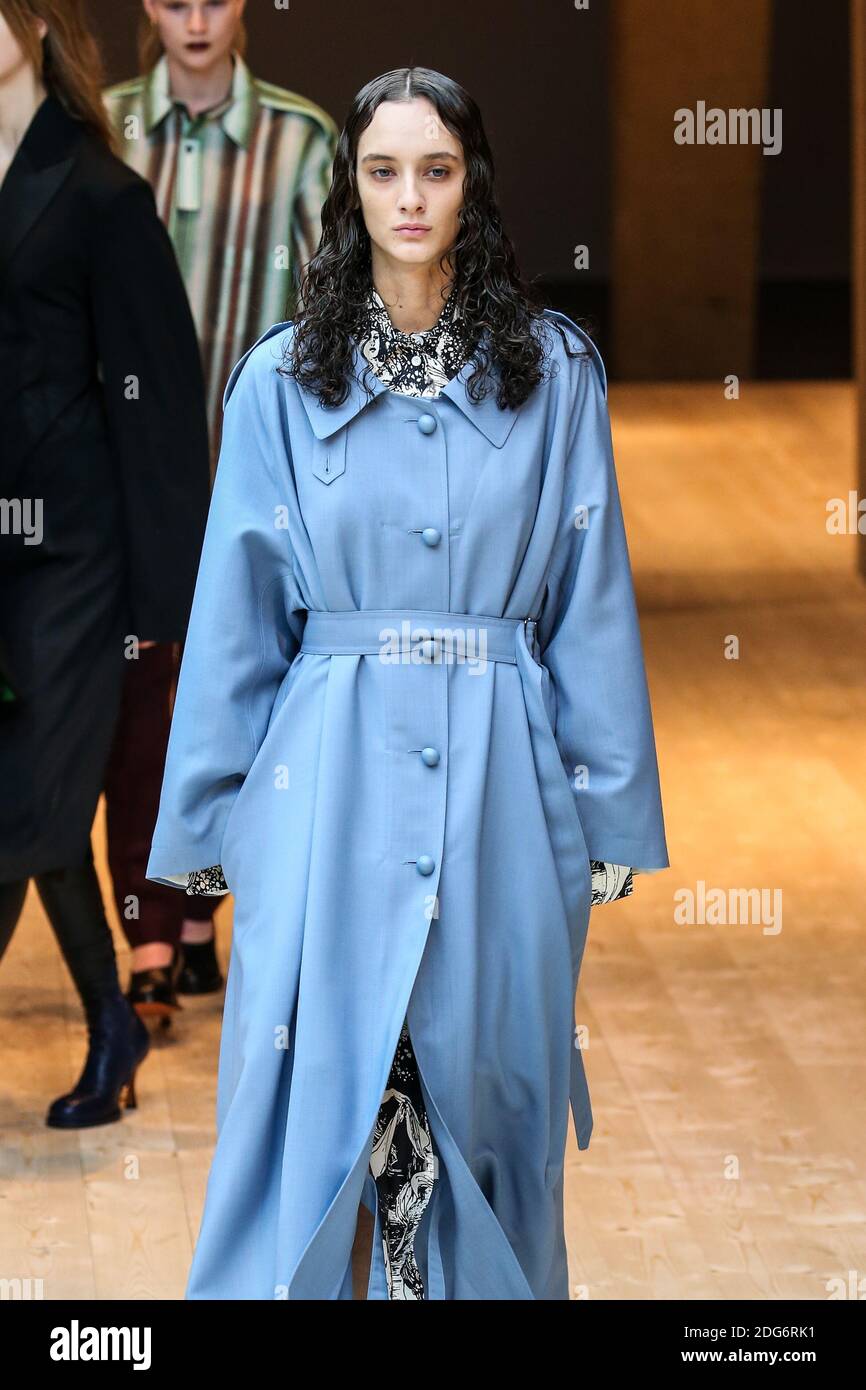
column 403, row 1162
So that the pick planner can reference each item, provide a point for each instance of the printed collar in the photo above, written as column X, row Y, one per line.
column 414, row 364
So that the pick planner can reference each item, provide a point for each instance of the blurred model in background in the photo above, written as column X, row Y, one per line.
column 104, row 476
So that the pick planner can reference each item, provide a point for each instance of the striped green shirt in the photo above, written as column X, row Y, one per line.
column 240, row 188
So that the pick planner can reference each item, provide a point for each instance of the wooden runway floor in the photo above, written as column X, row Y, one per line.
column 726, row 1060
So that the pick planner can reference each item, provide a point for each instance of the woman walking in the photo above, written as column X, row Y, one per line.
column 432, row 723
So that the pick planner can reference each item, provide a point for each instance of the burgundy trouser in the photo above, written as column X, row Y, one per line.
column 133, row 780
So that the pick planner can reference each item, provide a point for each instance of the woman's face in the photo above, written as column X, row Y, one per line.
column 196, row 34
column 410, row 169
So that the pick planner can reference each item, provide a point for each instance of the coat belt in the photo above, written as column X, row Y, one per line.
column 434, row 635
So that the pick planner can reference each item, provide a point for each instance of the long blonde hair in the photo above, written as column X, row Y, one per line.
column 150, row 48
column 67, row 61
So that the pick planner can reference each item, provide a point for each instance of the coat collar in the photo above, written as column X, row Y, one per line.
column 39, row 167
column 485, row 415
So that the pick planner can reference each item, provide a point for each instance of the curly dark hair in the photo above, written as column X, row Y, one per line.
column 490, row 293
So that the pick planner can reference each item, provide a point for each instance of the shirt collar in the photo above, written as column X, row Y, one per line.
column 237, row 113
column 432, row 355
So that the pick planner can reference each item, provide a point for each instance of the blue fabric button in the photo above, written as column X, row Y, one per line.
column 430, row 756
column 430, row 536
column 425, row 864
column 426, row 423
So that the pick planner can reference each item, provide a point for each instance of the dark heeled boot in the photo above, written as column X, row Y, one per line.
column 200, row 972
column 119, row 1043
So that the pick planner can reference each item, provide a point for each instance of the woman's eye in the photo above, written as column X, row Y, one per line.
column 439, row 170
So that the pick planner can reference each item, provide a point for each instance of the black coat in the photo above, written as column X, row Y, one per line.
column 103, row 426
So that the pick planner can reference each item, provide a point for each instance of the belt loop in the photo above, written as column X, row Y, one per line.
column 529, row 630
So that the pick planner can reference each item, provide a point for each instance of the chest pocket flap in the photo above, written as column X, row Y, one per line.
column 329, row 456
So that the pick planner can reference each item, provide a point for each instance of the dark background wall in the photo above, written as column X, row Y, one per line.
column 804, row 267
column 540, row 71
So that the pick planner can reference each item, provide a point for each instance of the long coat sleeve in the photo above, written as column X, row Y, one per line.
column 155, row 406
column 591, row 645
column 240, row 643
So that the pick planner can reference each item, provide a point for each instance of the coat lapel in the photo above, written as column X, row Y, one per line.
column 39, row 169
column 486, row 415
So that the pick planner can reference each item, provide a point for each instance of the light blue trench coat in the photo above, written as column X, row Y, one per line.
column 404, row 781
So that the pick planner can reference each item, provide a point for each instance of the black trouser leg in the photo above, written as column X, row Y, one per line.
column 12, row 897
column 73, row 902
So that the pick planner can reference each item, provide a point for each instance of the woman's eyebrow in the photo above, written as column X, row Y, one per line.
column 435, row 154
